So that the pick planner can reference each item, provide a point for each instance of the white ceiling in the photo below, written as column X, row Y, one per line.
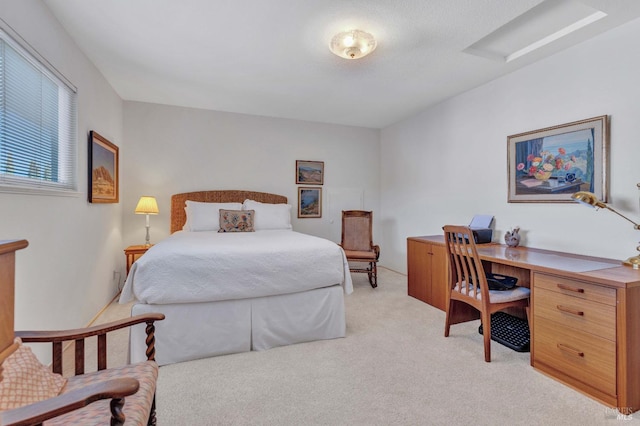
column 271, row 57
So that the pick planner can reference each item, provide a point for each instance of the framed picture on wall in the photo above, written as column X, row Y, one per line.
column 309, row 202
column 550, row 164
column 103, row 170
column 309, row 172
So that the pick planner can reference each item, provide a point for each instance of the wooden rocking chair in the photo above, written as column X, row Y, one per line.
column 357, row 243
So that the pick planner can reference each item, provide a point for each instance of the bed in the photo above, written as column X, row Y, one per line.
column 229, row 292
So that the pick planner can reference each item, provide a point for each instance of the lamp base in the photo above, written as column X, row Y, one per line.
column 147, row 240
column 633, row 261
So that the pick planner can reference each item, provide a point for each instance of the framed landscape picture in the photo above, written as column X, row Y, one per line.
column 550, row 164
column 309, row 172
column 103, row 170
column 309, row 202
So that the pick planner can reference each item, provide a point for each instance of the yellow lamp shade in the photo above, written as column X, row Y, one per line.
column 147, row 205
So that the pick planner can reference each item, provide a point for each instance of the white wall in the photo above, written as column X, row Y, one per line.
column 174, row 149
column 65, row 276
column 439, row 167
column 449, row 162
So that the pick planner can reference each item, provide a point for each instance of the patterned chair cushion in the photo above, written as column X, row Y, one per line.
column 25, row 380
column 136, row 407
column 496, row 296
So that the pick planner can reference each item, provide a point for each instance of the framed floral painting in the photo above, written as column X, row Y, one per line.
column 549, row 165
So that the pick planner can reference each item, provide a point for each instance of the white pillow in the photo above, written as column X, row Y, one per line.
column 206, row 216
column 269, row 216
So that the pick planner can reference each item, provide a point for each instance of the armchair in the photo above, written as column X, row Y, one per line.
column 106, row 396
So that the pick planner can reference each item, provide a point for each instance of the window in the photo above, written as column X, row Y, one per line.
column 37, row 122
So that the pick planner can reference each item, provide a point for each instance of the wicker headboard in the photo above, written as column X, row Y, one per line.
column 179, row 217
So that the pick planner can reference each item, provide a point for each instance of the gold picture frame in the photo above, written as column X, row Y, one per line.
column 549, row 165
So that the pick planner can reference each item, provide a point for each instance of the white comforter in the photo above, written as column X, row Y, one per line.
column 210, row 266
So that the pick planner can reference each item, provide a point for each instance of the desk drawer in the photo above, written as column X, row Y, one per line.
column 585, row 315
column 579, row 289
column 583, row 356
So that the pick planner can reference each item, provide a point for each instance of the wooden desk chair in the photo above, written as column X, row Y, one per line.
column 468, row 285
column 96, row 398
column 357, row 243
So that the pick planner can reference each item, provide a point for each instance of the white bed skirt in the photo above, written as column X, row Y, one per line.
column 200, row 330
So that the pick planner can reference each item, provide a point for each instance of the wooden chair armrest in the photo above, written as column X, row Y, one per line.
column 58, row 337
column 37, row 413
column 82, row 333
column 376, row 248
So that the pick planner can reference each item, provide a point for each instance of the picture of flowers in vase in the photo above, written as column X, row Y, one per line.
column 541, row 167
column 553, row 162
column 550, row 164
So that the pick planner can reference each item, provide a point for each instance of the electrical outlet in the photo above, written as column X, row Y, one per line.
column 117, row 279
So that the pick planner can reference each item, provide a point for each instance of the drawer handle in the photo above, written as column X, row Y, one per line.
column 570, row 350
column 570, row 311
column 569, row 288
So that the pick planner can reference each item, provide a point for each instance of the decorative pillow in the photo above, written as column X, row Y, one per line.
column 269, row 216
column 205, row 216
column 236, row 220
column 25, row 380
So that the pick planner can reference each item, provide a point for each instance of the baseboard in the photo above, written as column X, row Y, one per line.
column 392, row 270
column 104, row 308
column 67, row 345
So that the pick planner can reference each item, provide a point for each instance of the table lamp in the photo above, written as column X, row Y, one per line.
column 590, row 199
column 147, row 205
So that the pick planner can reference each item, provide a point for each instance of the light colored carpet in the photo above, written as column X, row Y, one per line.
column 393, row 368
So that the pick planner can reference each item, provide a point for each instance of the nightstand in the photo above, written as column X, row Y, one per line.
column 132, row 254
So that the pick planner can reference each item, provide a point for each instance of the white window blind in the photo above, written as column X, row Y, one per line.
column 38, row 148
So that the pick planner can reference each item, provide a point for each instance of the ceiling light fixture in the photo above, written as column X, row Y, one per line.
column 352, row 44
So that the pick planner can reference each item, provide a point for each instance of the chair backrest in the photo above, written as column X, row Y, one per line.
column 466, row 272
column 357, row 230
column 7, row 297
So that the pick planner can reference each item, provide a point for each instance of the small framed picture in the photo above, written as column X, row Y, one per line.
column 103, row 170
column 309, row 202
column 309, row 172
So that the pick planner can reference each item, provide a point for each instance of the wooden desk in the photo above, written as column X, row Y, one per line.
column 427, row 271
column 585, row 317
